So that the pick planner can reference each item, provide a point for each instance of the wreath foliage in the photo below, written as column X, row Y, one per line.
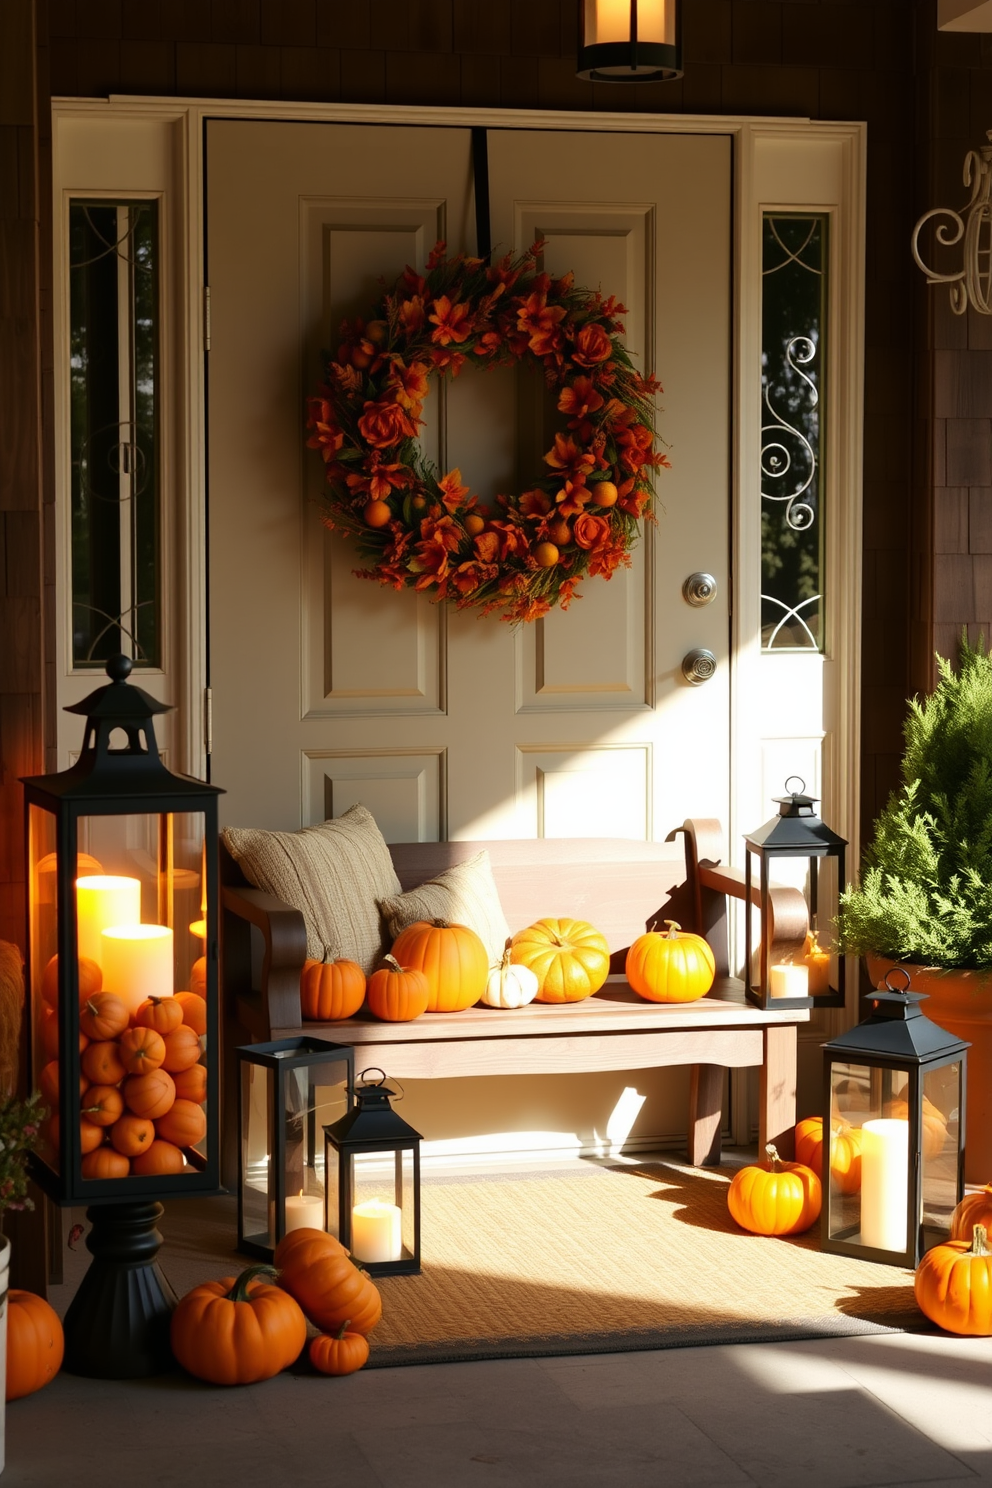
column 421, row 530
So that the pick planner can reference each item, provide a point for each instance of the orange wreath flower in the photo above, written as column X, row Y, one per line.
column 584, row 512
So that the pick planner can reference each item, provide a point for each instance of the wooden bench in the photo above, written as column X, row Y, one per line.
column 622, row 887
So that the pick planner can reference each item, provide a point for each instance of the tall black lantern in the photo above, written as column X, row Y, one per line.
column 811, row 975
column 630, row 41
column 122, row 915
column 372, row 1177
column 288, row 1090
column 893, row 1159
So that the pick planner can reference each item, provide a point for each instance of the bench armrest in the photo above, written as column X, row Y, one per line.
column 284, row 940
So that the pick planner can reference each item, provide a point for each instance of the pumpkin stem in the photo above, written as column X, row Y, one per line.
column 393, row 965
column 343, row 1328
column 979, row 1239
column 239, row 1291
column 771, row 1152
column 441, row 924
column 329, row 956
column 504, row 961
column 673, row 929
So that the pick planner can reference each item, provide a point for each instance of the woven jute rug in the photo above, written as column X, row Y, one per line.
column 595, row 1259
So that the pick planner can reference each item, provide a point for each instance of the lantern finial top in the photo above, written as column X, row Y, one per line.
column 119, row 668
column 797, row 802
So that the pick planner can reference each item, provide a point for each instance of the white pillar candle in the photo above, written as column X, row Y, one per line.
column 102, row 901
column 376, row 1231
column 884, row 1183
column 304, row 1212
column 787, row 980
column 137, row 963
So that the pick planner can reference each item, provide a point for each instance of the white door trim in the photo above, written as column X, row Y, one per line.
column 766, row 152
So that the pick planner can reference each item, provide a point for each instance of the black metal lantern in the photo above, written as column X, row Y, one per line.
column 122, row 914
column 371, row 1153
column 893, row 1118
column 809, row 974
column 287, row 1090
column 630, row 41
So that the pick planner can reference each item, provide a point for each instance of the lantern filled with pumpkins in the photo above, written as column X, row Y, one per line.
column 122, row 962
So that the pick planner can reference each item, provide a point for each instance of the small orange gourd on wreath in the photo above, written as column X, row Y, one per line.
column 420, row 530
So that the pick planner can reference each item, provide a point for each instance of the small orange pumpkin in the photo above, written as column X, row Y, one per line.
column 317, row 1270
column 974, row 1208
column 570, row 958
column 150, row 1095
column 34, row 1343
column 142, row 1050
column 194, row 1011
column 103, row 1016
column 104, row 1162
column 191, row 1084
column 161, row 1013
column 132, row 1135
column 90, row 1136
column 953, row 1285
column 159, row 1157
column 90, row 980
column 198, row 977
column 101, row 1063
column 845, row 1152
column 48, row 1082
column 102, row 1104
column 774, row 1197
column 50, row 1034
column 453, row 959
column 239, row 1330
column 396, row 993
column 339, row 1353
column 182, row 1049
column 331, row 989
column 184, row 1124
column 677, row 967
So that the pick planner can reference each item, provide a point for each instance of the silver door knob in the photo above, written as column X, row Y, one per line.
column 698, row 666
column 699, row 589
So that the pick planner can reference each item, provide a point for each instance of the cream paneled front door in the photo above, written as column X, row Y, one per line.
column 329, row 690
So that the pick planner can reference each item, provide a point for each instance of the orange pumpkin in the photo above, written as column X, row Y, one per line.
column 90, row 980
column 396, row 993
column 102, row 1104
column 845, row 1152
column 570, row 958
column 142, row 1049
column 677, row 967
column 161, row 1013
column 774, row 1197
column 239, row 1330
column 104, row 1162
column 339, row 1353
column 194, row 1011
column 150, row 1095
column 317, row 1270
column 103, row 1016
column 90, row 1136
column 50, row 1034
column 184, row 1124
column 974, row 1208
column 452, row 958
column 953, row 1285
column 198, row 977
column 132, row 1135
column 934, row 1125
column 191, row 1084
column 182, row 1049
column 331, row 990
column 48, row 1082
column 159, row 1157
column 34, row 1343
column 101, row 1063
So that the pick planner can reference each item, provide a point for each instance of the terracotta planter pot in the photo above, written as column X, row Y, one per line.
column 961, row 1002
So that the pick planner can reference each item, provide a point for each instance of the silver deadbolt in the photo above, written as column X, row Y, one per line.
column 698, row 666
column 699, row 589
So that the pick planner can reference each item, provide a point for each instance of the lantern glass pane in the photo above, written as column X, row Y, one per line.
column 332, row 1185
column 42, row 954
column 258, row 1199
column 868, row 1156
column 376, row 1216
column 608, row 21
column 314, row 1096
column 941, row 1141
column 405, row 1191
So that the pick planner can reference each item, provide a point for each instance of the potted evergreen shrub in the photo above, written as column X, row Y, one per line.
column 925, row 896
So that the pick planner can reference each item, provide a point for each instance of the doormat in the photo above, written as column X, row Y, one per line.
column 592, row 1259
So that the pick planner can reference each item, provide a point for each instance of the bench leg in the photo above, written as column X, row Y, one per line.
column 777, row 1100
column 705, row 1114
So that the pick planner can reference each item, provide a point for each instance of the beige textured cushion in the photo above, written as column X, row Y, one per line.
column 465, row 894
column 335, row 874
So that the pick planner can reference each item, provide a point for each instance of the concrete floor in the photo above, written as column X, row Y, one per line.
column 838, row 1413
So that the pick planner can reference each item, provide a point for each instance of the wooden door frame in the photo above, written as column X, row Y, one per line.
column 778, row 163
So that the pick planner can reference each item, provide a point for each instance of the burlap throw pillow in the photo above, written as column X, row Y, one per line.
column 334, row 874
column 465, row 894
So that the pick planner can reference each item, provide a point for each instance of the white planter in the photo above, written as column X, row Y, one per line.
column 4, row 1269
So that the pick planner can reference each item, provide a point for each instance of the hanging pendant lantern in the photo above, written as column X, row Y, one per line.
column 630, row 41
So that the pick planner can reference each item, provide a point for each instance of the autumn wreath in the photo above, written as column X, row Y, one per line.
column 424, row 531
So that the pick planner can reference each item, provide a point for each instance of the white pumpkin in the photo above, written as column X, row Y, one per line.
column 510, row 986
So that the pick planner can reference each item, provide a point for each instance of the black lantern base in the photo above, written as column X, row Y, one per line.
column 118, row 1324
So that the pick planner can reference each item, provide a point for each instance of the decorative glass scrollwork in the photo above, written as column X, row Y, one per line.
column 972, row 284
column 793, row 288
column 113, row 378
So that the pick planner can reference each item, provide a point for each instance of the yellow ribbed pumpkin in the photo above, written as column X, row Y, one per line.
column 677, row 967
column 570, row 958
